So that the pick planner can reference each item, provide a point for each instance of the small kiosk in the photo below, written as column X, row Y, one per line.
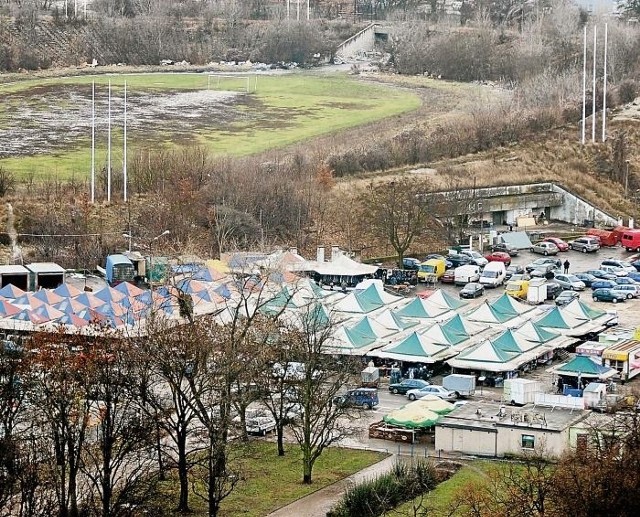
column 16, row 275
column 47, row 275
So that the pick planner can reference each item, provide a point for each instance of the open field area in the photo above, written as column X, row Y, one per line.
column 48, row 122
column 277, row 480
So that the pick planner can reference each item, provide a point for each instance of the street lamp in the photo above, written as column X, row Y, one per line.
column 129, row 237
column 166, row 232
column 626, row 179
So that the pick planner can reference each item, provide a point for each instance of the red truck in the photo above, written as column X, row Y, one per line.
column 607, row 237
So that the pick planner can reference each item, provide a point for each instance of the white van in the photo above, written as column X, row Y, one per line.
column 493, row 274
column 465, row 274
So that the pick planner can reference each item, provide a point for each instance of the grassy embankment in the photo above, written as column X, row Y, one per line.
column 284, row 109
column 271, row 482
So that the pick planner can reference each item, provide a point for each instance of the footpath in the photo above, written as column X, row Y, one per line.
column 320, row 502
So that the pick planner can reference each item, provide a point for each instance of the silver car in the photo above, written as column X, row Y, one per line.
column 570, row 282
column 545, row 248
column 432, row 389
column 630, row 291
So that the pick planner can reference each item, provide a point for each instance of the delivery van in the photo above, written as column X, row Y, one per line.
column 631, row 240
column 518, row 289
column 432, row 268
column 465, row 274
column 493, row 274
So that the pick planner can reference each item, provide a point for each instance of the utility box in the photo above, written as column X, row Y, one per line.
column 537, row 290
column 15, row 275
column 463, row 385
column 45, row 275
column 519, row 392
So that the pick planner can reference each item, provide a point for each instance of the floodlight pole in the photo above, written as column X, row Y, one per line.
column 93, row 142
column 124, row 149
column 584, row 86
column 595, row 53
column 604, row 87
column 109, row 147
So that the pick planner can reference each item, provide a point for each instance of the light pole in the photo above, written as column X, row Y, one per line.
column 129, row 237
column 626, row 179
column 150, row 276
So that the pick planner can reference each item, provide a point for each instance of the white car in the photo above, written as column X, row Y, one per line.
column 629, row 290
column 260, row 425
column 475, row 257
column 432, row 389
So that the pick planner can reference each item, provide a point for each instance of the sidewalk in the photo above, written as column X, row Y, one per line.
column 320, row 502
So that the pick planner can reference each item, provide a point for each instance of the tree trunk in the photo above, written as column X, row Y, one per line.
column 183, row 473
column 307, row 466
column 280, row 431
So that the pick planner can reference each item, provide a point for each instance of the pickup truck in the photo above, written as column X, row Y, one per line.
column 260, row 425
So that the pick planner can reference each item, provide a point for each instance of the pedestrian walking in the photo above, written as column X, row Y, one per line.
column 566, row 266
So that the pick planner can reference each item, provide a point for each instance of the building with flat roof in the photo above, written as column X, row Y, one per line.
column 491, row 429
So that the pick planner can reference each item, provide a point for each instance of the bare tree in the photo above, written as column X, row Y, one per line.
column 322, row 421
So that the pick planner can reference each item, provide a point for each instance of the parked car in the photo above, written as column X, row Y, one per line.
column 634, row 276
column 636, row 264
column 553, row 290
column 448, row 277
column 625, row 280
column 499, row 256
column 437, row 256
column 623, row 264
column 545, row 248
column 546, row 271
column 366, row 398
column 566, row 297
column 472, row 290
column 614, row 270
column 630, row 291
column 586, row 278
column 585, row 244
column 601, row 275
column 506, row 248
column 410, row 263
column 603, row 284
column 514, row 269
column 406, row 385
column 475, row 257
column 458, row 260
column 560, row 244
column 543, row 262
column 608, row 295
column 571, row 282
column 433, row 389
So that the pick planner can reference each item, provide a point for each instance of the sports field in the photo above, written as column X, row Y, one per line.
column 47, row 122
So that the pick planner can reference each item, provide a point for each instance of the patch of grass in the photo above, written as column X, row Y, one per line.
column 439, row 500
column 272, row 482
column 296, row 107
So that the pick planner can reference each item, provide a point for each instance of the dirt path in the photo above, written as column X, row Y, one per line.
column 320, row 502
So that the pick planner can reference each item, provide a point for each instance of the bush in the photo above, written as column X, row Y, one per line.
column 379, row 495
column 628, row 91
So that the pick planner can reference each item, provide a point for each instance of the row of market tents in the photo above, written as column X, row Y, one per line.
column 498, row 335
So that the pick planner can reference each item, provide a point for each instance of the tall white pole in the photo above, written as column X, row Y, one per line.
column 584, row 86
column 109, row 147
column 93, row 141
column 308, row 13
column 298, row 10
column 75, row 8
column 124, row 147
column 85, row 9
column 593, row 95
column 288, row 8
column 604, row 87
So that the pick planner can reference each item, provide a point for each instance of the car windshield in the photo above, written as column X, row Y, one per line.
column 513, row 286
column 573, row 278
column 427, row 268
column 474, row 254
column 490, row 274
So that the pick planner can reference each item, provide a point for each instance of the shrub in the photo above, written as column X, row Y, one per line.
column 379, row 495
column 628, row 91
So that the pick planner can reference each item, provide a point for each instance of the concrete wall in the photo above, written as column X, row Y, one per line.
column 363, row 41
column 510, row 440
column 575, row 210
column 467, row 441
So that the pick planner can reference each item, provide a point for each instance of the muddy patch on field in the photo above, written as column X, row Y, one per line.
column 50, row 119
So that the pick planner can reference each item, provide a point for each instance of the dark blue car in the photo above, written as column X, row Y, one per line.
column 586, row 278
column 603, row 275
column 634, row 276
column 603, row 284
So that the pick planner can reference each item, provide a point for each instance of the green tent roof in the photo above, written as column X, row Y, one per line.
column 542, row 335
column 412, row 418
column 369, row 299
column 553, row 319
column 507, row 342
column 415, row 309
column 590, row 312
column 504, row 306
column 402, row 323
column 361, row 334
column 583, row 364
column 409, row 346
column 486, row 352
column 446, row 299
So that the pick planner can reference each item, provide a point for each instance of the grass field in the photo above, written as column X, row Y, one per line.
column 272, row 482
column 439, row 500
column 49, row 120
